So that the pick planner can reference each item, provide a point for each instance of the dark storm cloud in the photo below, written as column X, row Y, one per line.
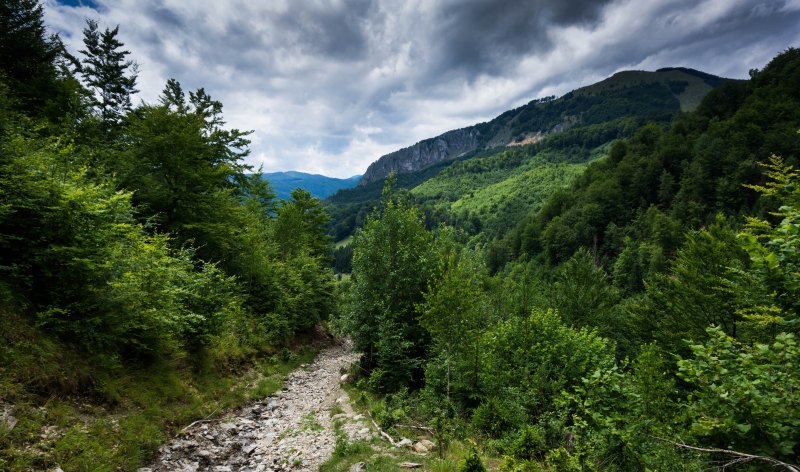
column 166, row 17
column 336, row 32
column 482, row 36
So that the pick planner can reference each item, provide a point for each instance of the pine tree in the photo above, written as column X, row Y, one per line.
column 30, row 60
column 111, row 78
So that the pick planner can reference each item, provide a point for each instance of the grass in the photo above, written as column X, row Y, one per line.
column 310, row 423
column 344, row 242
column 378, row 454
column 118, row 422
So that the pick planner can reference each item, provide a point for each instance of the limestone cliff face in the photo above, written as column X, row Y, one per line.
column 430, row 151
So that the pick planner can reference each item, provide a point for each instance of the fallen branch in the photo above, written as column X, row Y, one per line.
column 205, row 420
column 421, row 428
column 739, row 457
column 383, row 433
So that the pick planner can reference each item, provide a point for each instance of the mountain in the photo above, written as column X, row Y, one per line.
column 486, row 178
column 626, row 93
column 317, row 185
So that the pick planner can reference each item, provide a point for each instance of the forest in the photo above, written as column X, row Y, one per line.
column 644, row 318
column 621, row 296
column 143, row 266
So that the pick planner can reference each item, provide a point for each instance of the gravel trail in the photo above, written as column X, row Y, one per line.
column 290, row 430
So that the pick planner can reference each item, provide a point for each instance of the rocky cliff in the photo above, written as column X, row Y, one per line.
column 430, row 151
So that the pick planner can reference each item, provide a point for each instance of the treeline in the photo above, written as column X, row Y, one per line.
column 131, row 233
column 650, row 309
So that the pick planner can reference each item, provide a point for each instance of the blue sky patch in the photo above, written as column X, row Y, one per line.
column 79, row 3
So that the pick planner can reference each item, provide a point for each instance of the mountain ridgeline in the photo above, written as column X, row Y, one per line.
column 319, row 186
column 487, row 177
column 627, row 93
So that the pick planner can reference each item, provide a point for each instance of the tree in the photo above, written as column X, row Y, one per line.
column 745, row 397
column 453, row 314
column 182, row 165
column 391, row 260
column 774, row 250
column 110, row 77
column 582, row 294
column 29, row 60
column 696, row 293
column 300, row 224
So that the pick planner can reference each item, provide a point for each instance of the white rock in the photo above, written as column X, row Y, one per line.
column 404, row 442
column 358, row 467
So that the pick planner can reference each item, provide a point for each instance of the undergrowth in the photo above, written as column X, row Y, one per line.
column 85, row 414
column 394, row 415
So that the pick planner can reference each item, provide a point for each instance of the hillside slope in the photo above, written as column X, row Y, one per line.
column 489, row 189
column 627, row 93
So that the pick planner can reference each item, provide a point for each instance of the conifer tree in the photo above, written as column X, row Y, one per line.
column 110, row 77
column 30, row 60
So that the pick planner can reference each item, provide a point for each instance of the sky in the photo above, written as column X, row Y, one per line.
column 329, row 86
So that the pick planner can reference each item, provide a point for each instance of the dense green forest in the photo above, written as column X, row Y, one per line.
column 142, row 263
column 642, row 317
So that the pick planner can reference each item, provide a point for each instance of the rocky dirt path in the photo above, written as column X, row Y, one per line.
column 290, row 430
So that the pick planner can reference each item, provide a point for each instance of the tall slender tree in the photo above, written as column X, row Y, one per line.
column 110, row 77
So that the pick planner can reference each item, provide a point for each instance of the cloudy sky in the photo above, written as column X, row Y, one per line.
column 330, row 86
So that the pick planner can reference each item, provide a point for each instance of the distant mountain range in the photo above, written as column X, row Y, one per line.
column 628, row 93
column 317, row 185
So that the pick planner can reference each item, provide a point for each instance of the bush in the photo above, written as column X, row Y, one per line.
column 472, row 463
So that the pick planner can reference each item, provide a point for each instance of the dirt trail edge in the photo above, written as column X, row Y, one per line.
column 290, row 430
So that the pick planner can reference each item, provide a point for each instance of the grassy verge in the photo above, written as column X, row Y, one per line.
column 377, row 454
column 87, row 419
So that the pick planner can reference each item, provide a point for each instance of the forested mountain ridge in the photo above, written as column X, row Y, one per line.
column 627, row 93
column 533, row 150
column 317, row 185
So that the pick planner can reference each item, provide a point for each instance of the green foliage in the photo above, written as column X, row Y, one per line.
column 110, row 77
column 619, row 416
column 489, row 195
column 454, row 316
column 582, row 294
column 301, row 224
column 391, row 263
column 744, row 397
column 471, row 463
column 774, row 250
column 35, row 66
column 531, row 360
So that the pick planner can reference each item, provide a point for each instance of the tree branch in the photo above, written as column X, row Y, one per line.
column 384, row 434
column 738, row 457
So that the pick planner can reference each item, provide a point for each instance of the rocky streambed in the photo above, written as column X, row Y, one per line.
column 290, row 430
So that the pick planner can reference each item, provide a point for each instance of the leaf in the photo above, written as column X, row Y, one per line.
column 744, row 428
